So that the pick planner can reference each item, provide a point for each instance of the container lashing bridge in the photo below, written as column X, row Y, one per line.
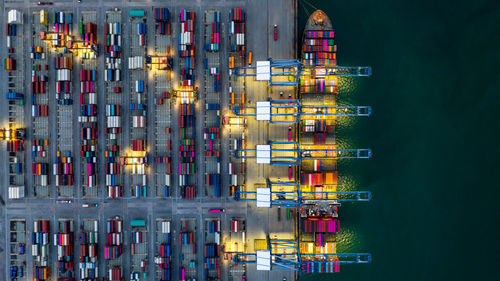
column 290, row 153
column 291, row 111
column 284, row 255
column 294, row 69
column 280, row 194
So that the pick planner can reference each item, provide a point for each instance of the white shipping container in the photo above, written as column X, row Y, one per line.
column 16, row 192
column 63, row 75
column 14, row 17
column 234, row 179
column 118, row 75
column 92, row 98
column 217, row 237
column 43, row 180
column 167, row 180
column 165, row 227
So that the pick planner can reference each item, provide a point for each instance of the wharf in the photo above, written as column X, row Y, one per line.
column 260, row 16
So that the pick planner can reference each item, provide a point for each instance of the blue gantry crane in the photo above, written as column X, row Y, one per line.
column 284, row 254
column 290, row 153
column 291, row 110
column 294, row 69
column 287, row 194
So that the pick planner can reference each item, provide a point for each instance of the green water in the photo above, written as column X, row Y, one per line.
column 434, row 132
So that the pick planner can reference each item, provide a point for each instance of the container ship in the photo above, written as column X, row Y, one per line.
column 318, row 223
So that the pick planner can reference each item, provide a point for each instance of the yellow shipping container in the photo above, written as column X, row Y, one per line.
column 44, row 17
column 260, row 244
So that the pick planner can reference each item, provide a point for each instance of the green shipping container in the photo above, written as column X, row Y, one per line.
column 137, row 223
column 136, row 13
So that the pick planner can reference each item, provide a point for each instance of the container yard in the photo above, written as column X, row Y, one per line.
column 212, row 250
column 186, row 97
column 39, row 90
column 65, row 244
column 188, row 269
column 88, row 119
column 17, row 249
column 163, row 253
column 113, row 71
column 13, row 133
column 89, row 250
column 161, row 64
column 236, row 125
column 172, row 142
column 139, row 250
column 137, row 159
column 212, row 101
column 113, row 249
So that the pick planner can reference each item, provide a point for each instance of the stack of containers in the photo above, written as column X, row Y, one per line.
column 211, row 260
column 113, row 129
column 187, row 47
column 138, row 108
column 65, row 252
column 114, row 239
column 15, row 100
column 320, row 267
column 114, row 249
column 88, row 130
column 187, row 150
column 63, row 169
column 113, row 52
column 317, row 179
column 139, row 239
column 15, row 145
column 237, row 144
column 163, row 260
column 186, row 112
column 329, row 225
column 237, row 225
column 214, row 37
column 186, row 35
column 10, row 64
column 63, row 23
column 41, row 170
column 38, row 82
column 162, row 18
column 168, row 162
column 237, row 31
column 319, row 49
column 89, row 269
column 188, row 253
column 64, row 67
column 40, row 249
column 141, row 31
column 11, row 31
column 88, row 33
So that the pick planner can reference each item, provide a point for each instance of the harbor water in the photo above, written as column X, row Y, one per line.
column 434, row 132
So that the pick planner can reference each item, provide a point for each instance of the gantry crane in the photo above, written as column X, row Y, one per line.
column 294, row 69
column 291, row 111
column 284, row 254
column 290, row 153
column 287, row 194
